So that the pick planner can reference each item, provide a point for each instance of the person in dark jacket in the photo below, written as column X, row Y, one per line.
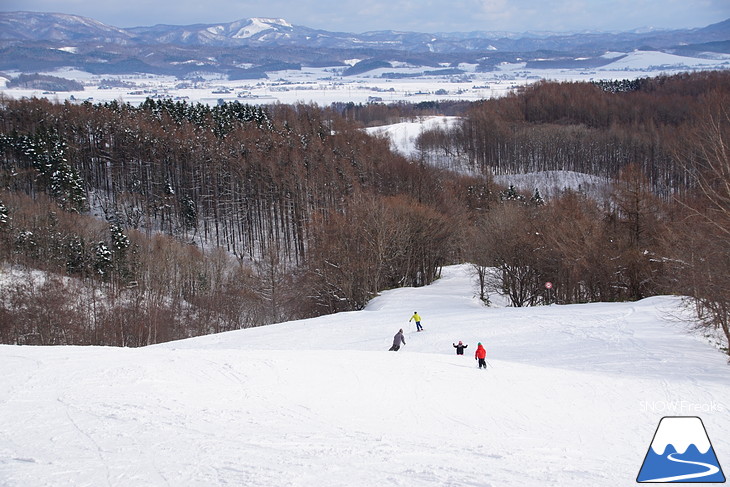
column 397, row 340
column 459, row 348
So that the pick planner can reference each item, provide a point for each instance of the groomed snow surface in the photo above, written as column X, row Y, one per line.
column 572, row 397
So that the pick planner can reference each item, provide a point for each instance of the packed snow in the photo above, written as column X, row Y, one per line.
column 403, row 135
column 572, row 397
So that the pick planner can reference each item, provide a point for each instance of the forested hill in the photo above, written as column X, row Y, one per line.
column 592, row 128
column 171, row 183
column 176, row 219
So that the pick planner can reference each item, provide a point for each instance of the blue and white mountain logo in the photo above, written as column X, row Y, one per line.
column 681, row 452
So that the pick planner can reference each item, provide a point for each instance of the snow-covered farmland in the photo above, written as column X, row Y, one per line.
column 326, row 85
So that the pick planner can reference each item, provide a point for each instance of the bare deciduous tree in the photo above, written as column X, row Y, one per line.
column 701, row 239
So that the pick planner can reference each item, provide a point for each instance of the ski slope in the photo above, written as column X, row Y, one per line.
column 572, row 397
column 403, row 135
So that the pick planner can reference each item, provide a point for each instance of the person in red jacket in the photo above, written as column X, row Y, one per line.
column 481, row 355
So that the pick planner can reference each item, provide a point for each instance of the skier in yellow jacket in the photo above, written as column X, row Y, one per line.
column 418, row 321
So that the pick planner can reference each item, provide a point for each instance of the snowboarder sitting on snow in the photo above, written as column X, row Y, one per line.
column 397, row 339
column 481, row 355
column 459, row 348
column 418, row 321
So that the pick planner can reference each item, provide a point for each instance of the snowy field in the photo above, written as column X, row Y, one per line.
column 327, row 85
column 403, row 136
column 572, row 397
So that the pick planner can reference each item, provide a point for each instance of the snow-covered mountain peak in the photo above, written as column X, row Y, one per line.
column 279, row 33
column 258, row 25
column 216, row 30
column 57, row 26
column 270, row 21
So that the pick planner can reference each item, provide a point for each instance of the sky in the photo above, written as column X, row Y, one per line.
column 430, row 16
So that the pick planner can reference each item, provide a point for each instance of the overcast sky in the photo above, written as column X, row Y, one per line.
column 410, row 15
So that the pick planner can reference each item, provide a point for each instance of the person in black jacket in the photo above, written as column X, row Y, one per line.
column 460, row 348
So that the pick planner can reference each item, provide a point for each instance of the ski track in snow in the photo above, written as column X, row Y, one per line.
column 322, row 402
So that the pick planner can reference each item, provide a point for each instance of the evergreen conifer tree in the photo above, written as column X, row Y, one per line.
column 3, row 214
column 511, row 194
column 537, row 199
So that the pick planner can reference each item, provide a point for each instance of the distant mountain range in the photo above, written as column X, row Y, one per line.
column 31, row 41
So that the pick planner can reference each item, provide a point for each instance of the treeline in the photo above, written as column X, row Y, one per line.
column 101, row 285
column 376, row 114
column 134, row 204
column 169, row 220
column 630, row 246
column 615, row 250
column 664, row 227
column 44, row 82
column 585, row 127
